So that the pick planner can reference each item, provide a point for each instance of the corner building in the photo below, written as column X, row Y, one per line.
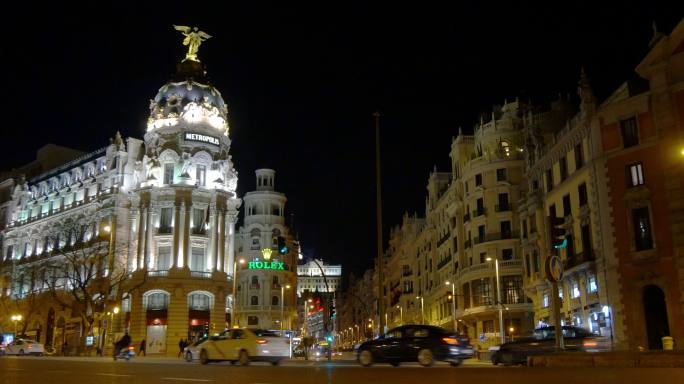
column 169, row 208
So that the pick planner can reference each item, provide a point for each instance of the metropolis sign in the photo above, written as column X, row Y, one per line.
column 277, row 265
column 189, row 136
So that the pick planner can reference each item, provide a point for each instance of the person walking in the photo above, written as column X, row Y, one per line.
column 181, row 346
column 141, row 352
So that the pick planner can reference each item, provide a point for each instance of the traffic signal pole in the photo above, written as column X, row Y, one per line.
column 378, row 214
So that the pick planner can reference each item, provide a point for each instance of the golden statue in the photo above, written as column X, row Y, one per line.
column 193, row 39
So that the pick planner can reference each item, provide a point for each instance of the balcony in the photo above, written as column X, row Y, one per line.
column 443, row 263
column 497, row 236
column 503, row 207
column 479, row 212
column 488, row 268
column 200, row 275
column 577, row 259
column 443, row 239
column 157, row 273
column 254, row 286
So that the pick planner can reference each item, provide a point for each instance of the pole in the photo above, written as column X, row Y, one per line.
column 378, row 214
column 234, row 319
column 555, row 307
column 502, row 330
column 401, row 315
column 282, row 307
column 422, row 312
column 453, row 304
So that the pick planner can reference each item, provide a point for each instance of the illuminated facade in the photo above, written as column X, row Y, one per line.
column 310, row 278
column 266, row 279
column 160, row 215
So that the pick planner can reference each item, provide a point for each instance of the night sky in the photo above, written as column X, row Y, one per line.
column 302, row 83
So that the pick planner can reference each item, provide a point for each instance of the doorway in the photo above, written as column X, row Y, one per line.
column 655, row 312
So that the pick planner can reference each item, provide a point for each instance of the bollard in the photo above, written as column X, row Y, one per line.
column 668, row 343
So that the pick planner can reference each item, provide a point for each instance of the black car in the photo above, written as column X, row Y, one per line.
column 422, row 343
column 543, row 341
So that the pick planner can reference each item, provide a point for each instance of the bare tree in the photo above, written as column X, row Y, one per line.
column 25, row 298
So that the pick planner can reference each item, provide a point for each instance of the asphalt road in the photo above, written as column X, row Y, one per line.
column 46, row 370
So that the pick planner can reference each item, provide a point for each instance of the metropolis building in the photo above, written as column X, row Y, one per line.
column 157, row 214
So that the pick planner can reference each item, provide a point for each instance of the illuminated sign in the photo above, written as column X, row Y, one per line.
column 189, row 136
column 266, row 253
column 277, row 265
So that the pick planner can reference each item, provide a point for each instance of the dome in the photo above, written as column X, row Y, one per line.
column 173, row 98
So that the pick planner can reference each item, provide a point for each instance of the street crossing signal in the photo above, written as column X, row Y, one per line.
column 282, row 246
column 557, row 232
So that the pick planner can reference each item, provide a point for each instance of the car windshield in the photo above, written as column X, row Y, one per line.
column 265, row 333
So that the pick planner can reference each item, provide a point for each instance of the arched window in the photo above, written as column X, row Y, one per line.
column 274, row 300
column 254, row 300
column 156, row 300
column 199, row 302
column 255, row 280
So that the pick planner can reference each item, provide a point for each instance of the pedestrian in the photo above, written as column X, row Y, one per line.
column 181, row 346
column 65, row 348
column 141, row 352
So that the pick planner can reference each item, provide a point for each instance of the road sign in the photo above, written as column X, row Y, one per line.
column 482, row 337
column 554, row 268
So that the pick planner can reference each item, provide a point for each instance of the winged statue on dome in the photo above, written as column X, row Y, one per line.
column 193, row 39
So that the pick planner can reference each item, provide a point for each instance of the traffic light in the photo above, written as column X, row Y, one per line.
column 557, row 232
column 333, row 314
column 282, row 246
column 329, row 338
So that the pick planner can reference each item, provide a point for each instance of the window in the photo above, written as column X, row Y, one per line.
column 197, row 259
column 512, row 289
column 480, row 207
column 254, row 300
column 275, row 280
column 505, row 227
column 478, row 180
column 628, row 129
column 537, row 262
column 507, row 254
column 168, row 173
column 642, row 229
column 586, row 242
column 199, row 302
column 563, row 165
column 503, row 203
column 201, row 175
column 524, row 225
column 163, row 258
column 501, row 174
column 527, row 265
column 165, row 220
column 582, row 191
column 274, row 300
column 252, row 320
column 545, row 300
column 552, row 210
column 567, row 207
column 634, row 175
column 483, row 257
column 579, row 157
column 591, row 284
column 157, row 301
column 482, row 291
column 549, row 179
column 481, row 234
column 575, row 291
column 198, row 221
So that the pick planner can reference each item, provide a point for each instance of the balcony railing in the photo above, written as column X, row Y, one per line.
column 443, row 262
column 254, row 286
column 443, row 239
column 479, row 212
column 157, row 273
column 506, row 264
column 578, row 259
column 503, row 207
column 496, row 236
column 200, row 274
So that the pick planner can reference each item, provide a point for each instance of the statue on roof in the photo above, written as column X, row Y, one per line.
column 193, row 39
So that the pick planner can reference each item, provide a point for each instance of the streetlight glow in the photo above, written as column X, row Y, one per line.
column 107, row 228
column 116, row 310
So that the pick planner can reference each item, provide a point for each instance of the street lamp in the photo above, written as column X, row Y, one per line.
column 358, row 332
column 401, row 314
column 502, row 330
column 422, row 314
column 16, row 319
column 282, row 306
column 234, row 318
column 453, row 302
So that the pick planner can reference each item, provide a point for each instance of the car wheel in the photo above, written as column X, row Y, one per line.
column 425, row 357
column 204, row 357
column 244, row 358
column 21, row 352
column 276, row 362
column 394, row 363
column 188, row 357
column 456, row 363
column 365, row 358
column 40, row 354
column 232, row 362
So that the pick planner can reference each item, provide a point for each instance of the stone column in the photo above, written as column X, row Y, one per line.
column 186, row 235
column 131, row 261
column 176, row 236
column 211, row 254
column 182, row 229
column 142, row 243
column 231, row 219
column 221, row 240
column 149, row 243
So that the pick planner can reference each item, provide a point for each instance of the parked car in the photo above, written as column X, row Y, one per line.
column 543, row 341
column 24, row 347
column 422, row 343
column 245, row 345
column 192, row 351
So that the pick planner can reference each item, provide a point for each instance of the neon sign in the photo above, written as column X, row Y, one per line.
column 276, row 265
column 189, row 136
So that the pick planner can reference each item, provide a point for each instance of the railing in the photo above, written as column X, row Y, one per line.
column 496, row 236
column 443, row 262
column 407, row 273
column 200, row 274
column 502, row 207
column 479, row 212
column 443, row 239
column 254, row 286
column 484, row 266
column 157, row 273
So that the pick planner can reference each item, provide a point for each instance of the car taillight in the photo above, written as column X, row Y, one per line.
column 262, row 341
column 131, row 348
column 30, row 346
column 590, row 343
column 450, row 340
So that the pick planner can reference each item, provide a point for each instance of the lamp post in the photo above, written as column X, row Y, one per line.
column 282, row 307
column 453, row 303
column 401, row 314
column 234, row 319
column 422, row 314
column 16, row 319
column 358, row 332
column 502, row 330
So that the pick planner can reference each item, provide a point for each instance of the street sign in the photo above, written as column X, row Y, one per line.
column 482, row 337
column 554, row 268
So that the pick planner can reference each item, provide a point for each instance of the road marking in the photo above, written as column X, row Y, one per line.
column 183, row 379
column 112, row 374
column 14, row 369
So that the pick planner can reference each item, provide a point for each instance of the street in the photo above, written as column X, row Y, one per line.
column 47, row 370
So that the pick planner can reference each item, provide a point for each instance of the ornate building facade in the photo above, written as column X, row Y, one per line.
column 137, row 236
